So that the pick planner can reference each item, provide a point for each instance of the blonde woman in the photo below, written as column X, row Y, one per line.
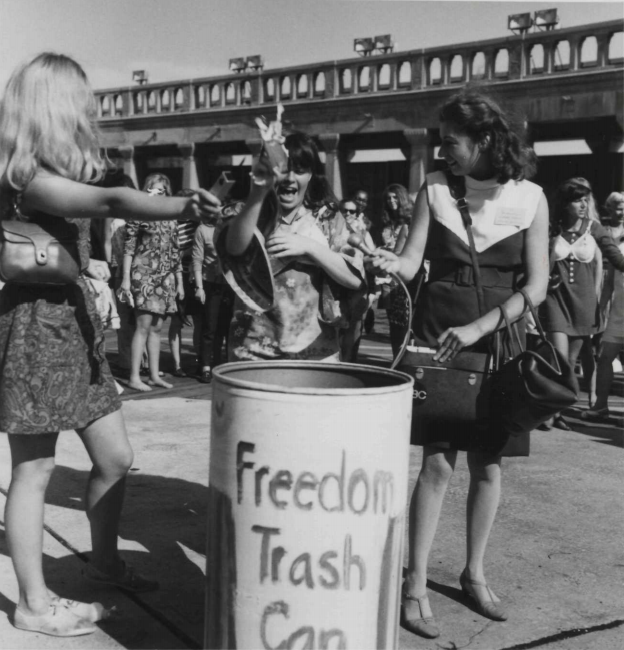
column 53, row 375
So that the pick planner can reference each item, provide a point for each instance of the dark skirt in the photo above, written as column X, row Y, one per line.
column 53, row 372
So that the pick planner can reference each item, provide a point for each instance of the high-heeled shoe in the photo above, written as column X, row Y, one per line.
column 487, row 608
column 412, row 617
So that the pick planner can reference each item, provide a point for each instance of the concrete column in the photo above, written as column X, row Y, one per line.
column 127, row 153
column 190, row 180
column 330, row 143
column 420, row 157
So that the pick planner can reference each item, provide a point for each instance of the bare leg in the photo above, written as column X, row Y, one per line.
column 32, row 459
column 588, row 363
column 483, row 497
column 141, row 332
column 108, row 447
column 175, row 340
column 604, row 374
column 153, row 352
column 425, row 506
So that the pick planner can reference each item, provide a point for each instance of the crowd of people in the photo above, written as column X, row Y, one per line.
column 276, row 277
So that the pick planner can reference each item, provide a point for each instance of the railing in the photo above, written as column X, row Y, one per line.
column 558, row 52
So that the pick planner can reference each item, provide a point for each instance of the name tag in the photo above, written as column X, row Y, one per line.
column 509, row 217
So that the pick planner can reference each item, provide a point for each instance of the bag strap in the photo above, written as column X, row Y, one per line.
column 457, row 188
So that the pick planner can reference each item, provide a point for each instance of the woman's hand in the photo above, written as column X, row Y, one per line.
column 272, row 165
column 98, row 270
column 288, row 245
column 202, row 206
column 180, row 292
column 200, row 295
column 384, row 261
column 455, row 339
column 124, row 294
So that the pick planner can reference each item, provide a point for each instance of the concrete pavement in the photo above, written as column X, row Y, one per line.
column 555, row 557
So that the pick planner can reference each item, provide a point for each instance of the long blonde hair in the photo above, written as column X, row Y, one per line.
column 48, row 121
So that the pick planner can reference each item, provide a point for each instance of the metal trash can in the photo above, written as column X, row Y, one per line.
column 307, row 504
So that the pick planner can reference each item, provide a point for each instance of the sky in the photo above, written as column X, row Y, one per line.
column 183, row 39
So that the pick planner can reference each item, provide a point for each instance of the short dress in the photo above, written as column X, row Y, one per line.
column 612, row 298
column 53, row 372
column 305, row 316
column 501, row 215
column 155, row 252
column 572, row 308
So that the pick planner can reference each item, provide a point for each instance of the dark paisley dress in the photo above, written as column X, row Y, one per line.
column 156, row 259
column 53, row 372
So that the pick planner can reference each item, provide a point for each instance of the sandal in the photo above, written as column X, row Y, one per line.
column 413, row 619
column 596, row 415
column 561, row 424
column 92, row 612
column 128, row 580
column 57, row 621
column 488, row 608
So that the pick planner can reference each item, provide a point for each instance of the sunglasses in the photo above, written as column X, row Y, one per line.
column 348, row 211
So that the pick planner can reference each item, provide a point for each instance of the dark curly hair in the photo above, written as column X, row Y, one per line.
column 569, row 191
column 303, row 154
column 478, row 115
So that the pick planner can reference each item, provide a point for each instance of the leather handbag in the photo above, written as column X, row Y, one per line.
column 31, row 253
column 533, row 386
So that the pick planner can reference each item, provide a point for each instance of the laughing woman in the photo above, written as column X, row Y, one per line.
column 284, row 210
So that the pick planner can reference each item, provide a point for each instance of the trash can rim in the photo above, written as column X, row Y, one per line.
column 224, row 372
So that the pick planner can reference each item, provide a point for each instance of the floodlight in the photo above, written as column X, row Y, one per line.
column 139, row 76
column 546, row 19
column 519, row 23
column 238, row 64
column 255, row 62
column 363, row 46
column 384, row 43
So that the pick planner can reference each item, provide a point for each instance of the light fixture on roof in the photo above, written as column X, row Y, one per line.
column 238, row 64
column 384, row 43
column 255, row 62
column 363, row 46
column 519, row 23
column 546, row 19
column 139, row 76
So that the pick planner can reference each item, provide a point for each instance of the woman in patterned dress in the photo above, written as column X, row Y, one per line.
column 310, row 260
column 152, row 278
column 53, row 373
column 510, row 225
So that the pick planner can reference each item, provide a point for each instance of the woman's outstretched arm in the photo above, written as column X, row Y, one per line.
column 62, row 197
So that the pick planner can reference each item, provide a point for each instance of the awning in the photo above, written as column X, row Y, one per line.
column 562, row 148
column 375, row 155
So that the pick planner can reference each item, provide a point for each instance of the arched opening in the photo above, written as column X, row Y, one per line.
column 200, row 96
column 319, row 83
column 346, row 80
column 561, row 55
column 435, row 71
column 536, row 59
column 456, row 70
column 501, row 63
column 138, row 102
column 616, row 48
column 230, row 94
column 404, row 74
column 285, row 88
column 477, row 67
column 364, row 79
column 178, row 99
column 269, row 89
column 246, row 92
column 215, row 95
column 165, row 100
column 385, row 77
column 118, row 102
column 302, row 85
column 589, row 52
column 105, row 106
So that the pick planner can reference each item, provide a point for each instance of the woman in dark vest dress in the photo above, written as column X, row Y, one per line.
column 510, row 226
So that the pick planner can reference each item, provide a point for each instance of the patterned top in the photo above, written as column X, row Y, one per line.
column 155, row 253
column 307, row 309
